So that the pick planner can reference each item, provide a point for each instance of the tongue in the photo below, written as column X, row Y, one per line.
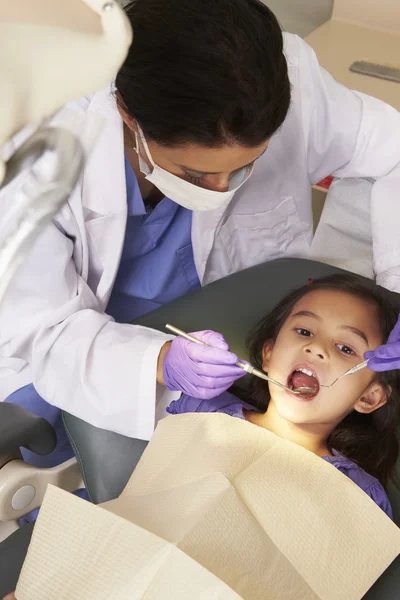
column 300, row 379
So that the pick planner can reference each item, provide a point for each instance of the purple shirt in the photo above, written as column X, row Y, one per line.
column 230, row 405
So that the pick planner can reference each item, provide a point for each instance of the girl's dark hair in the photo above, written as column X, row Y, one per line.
column 368, row 440
column 209, row 72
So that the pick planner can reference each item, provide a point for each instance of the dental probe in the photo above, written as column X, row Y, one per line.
column 349, row 372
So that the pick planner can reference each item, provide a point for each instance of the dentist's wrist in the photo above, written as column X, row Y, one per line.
column 160, row 362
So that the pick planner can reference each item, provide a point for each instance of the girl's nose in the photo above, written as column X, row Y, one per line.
column 315, row 350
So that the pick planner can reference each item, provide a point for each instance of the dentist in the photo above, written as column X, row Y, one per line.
column 212, row 136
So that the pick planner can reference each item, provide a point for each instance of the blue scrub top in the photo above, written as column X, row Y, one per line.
column 157, row 262
column 156, row 267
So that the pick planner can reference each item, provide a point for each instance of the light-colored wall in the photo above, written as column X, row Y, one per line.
column 296, row 16
column 360, row 30
column 302, row 16
column 384, row 14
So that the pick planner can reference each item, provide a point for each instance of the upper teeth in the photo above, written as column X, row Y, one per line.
column 306, row 372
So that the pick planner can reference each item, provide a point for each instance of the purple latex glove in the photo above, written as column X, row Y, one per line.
column 386, row 357
column 201, row 371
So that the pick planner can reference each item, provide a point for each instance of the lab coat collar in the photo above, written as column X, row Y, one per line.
column 135, row 202
column 103, row 192
column 103, row 182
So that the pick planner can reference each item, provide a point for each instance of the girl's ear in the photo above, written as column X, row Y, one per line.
column 373, row 398
column 266, row 354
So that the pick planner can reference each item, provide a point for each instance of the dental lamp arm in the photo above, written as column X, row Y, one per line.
column 35, row 83
column 89, row 40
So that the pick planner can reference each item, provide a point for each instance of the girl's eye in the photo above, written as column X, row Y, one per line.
column 345, row 349
column 304, row 332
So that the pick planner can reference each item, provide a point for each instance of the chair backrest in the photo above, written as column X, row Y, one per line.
column 232, row 306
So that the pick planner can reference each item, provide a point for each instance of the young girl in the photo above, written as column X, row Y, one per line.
column 312, row 337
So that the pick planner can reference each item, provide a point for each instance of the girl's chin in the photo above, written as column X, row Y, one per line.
column 298, row 415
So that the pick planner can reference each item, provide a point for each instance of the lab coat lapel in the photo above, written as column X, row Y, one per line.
column 104, row 189
column 204, row 227
column 104, row 193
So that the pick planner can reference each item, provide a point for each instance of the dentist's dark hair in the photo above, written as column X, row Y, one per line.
column 208, row 72
column 369, row 440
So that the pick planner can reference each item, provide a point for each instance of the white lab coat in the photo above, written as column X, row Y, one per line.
column 53, row 329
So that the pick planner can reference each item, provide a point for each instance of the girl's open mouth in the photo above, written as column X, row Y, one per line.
column 304, row 377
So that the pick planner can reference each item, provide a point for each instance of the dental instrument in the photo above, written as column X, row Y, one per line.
column 349, row 372
column 243, row 365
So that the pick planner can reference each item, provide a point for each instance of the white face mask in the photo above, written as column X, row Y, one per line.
column 183, row 192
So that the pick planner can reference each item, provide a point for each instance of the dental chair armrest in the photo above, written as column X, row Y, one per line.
column 19, row 427
column 106, row 459
column 22, row 486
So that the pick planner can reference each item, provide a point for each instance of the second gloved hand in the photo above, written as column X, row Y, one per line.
column 386, row 357
column 201, row 371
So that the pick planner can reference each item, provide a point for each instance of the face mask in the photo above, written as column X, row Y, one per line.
column 183, row 192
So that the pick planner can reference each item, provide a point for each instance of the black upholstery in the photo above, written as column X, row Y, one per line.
column 93, row 447
column 12, row 555
column 19, row 427
column 388, row 585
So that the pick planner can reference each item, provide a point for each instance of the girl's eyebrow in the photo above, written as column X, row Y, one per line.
column 357, row 332
column 308, row 313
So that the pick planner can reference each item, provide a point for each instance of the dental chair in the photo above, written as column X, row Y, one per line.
column 232, row 306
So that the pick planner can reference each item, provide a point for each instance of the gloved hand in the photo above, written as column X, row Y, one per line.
column 386, row 357
column 201, row 371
